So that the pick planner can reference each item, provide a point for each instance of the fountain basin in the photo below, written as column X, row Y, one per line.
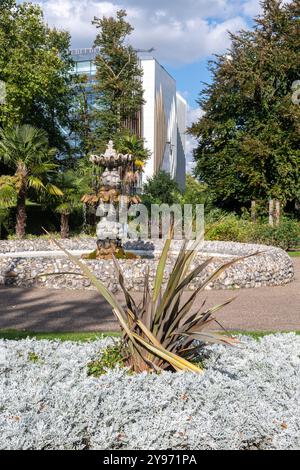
column 271, row 267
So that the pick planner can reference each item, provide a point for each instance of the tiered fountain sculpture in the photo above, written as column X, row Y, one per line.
column 119, row 182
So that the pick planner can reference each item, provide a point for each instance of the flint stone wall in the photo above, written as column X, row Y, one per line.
column 22, row 261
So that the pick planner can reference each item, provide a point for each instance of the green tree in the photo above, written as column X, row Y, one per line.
column 161, row 189
column 71, row 186
column 133, row 145
column 35, row 64
column 195, row 192
column 81, row 117
column 25, row 150
column 119, row 88
column 249, row 138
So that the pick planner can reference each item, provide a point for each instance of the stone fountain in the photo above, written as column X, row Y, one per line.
column 118, row 184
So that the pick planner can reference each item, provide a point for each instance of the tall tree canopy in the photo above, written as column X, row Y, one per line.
column 119, row 88
column 249, row 136
column 35, row 64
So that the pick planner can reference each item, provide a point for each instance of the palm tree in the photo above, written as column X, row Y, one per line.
column 70, row 201
column 25, row 150
column 135, row 146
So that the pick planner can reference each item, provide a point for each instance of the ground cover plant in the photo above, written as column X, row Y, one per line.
column 248, row 398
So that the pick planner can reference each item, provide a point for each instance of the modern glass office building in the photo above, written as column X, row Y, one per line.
column 162, row 121
column 84, row 61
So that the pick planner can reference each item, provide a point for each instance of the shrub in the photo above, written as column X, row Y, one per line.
column 195, row 192
column 232, row 228
column 159, row 332
column 286, row 235
column 4, row 223
column 161, row 189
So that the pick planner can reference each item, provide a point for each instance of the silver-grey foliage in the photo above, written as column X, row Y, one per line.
column 248, row 397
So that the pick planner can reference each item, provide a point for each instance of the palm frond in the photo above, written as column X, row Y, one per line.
column 8, row 191
column 35, row 183
column 43, row 168
column 54, row 190
column 8, row 196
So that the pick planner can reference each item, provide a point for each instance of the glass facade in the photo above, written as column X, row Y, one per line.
column 84, row 61
column 85, row 65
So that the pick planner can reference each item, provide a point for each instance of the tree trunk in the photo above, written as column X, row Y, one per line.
column 64, row 226
column 21, row 211
column 253, row 211
column 277, row 212
column 271, row 212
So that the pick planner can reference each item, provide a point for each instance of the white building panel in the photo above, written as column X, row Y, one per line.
column 148, row 112
column 164, row 132
column 181, row 140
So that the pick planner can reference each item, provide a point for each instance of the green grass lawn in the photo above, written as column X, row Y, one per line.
column 260, row 334
column 294, row 254
column 92, row 336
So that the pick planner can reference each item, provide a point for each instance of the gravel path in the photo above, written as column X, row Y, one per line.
column 266, row 309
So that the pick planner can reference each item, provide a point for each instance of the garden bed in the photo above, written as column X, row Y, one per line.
column 247, row 398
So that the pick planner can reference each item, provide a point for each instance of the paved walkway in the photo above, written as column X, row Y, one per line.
column 266, row 309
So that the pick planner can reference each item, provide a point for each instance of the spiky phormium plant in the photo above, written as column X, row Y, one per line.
column 160, row 332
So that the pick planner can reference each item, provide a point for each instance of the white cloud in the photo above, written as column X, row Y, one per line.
column 179, row 33
column 193, row 115
column 252, row 7
column 178, row 42
column 188, row 9
column 76, row 17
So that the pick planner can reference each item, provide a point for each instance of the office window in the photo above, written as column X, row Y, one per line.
column 83, row 67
